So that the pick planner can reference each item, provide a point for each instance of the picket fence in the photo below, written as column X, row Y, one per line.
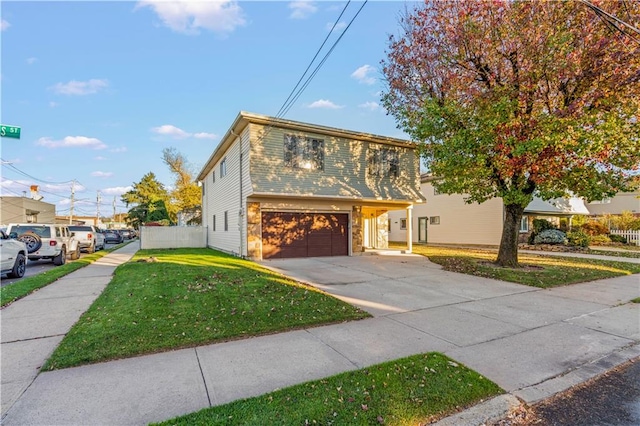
column 633, row 237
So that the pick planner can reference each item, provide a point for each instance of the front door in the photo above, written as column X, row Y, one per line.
column 422, row 229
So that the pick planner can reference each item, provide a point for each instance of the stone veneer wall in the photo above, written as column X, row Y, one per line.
column 254, row 231
column 356, row 230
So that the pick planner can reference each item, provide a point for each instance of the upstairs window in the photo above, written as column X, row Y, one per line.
column 213, row 176
column 303, row 153
column 223, row 167
column 383, row 162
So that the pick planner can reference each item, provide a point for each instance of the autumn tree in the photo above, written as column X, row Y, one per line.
column 513, row 99
column 186, row 195
column 149, row 199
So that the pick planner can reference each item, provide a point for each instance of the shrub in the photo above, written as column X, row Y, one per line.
column 594, row 228
column 550, row 236
column 540, row 225
column 626, row 221
column 617, row 239
column 600, row 240
column 578, row 239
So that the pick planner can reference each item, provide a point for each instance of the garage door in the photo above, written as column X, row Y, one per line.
column 286, row 235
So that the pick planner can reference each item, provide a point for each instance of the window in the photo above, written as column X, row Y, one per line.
column 403, row 223
column 524, row 224
column 303, row 153
column 388, row 225
column 214, row 222
column 434, row 220
column 223, row 167
column 213, row 176
column 226, row 220
column 383, row 162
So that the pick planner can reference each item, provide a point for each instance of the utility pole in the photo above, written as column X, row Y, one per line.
column 73, row 191
column 98, row 200
column 114, row 210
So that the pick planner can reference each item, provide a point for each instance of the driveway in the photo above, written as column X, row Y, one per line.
column 532, row 342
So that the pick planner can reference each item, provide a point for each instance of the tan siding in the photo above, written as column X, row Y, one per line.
column 460, row 223
column 15, row 209
column 344, row 174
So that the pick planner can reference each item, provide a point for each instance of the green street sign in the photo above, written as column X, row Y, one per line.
column 9, row 131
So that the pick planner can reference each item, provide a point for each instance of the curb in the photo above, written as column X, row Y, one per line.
column 488, row 411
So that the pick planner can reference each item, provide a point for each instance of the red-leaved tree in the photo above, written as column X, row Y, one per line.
column 513, row 99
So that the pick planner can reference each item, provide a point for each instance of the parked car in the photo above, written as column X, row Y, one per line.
column 13, row 254
column 46, row 241
column 126, row 234
column 112, row 236
column 88, row 236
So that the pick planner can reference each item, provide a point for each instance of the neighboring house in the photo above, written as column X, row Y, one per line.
column 447, row 219
column 25, row 210
column 623, row 201
column 279, row 188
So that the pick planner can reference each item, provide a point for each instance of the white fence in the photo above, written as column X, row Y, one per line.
column 155, row 237
column 633, row 237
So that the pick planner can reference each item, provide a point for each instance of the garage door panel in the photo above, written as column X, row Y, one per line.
column 287, row 235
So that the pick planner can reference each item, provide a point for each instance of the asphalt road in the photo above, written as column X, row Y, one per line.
column 611, row 399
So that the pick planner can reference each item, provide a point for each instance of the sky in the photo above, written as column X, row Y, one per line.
column 99, row 89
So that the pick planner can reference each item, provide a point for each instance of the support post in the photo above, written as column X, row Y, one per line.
column 409, row 229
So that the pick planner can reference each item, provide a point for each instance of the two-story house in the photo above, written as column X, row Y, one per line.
column 276, row 188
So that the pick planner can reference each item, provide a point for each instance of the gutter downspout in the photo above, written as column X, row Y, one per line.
column 241, row 212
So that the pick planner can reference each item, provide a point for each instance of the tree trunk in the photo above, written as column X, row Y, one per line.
column 508, row 252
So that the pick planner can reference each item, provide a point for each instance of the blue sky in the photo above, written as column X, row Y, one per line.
column 101, row 88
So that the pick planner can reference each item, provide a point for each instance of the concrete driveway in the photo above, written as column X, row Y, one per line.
column 532, row 342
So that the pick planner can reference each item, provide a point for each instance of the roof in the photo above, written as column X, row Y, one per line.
column 245, row 118
column 557, row 206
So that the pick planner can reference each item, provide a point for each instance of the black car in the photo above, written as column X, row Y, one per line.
column 112, row 236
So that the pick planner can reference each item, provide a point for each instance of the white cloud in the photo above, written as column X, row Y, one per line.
column 100, row 158
column 203, row 135
column 121, row 149
column 32, row 60
column 363, row 74
column 80, row 87
column 339, row 26
column 116, row 190
column 53, row 104
column 72, row 142
column 4, row 25
column 324, row 103
column 171, row 130
column 188, row 17
column 302, row 9
column 101, row 174
column 372, row 106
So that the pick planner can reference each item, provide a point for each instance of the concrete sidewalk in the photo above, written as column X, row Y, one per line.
column 531, row 342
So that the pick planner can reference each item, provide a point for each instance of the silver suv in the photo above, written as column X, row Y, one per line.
column 46, row 241
column 14, row 256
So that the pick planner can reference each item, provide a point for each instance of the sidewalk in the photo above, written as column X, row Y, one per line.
column 531, row 342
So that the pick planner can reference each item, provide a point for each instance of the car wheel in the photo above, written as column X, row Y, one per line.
column 75, row 255
column 32, row 241
column 19, row 267
column 61, row 259
column 91, row 249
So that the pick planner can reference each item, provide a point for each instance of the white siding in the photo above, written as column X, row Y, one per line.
column 223, row 195
column 624, row 201
column 460, row 223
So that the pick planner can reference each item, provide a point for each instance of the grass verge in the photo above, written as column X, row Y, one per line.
column 407, row 391
column 636, row 300
column 190, row 297
column 25, row 286
column 535, row 270
column 630, row 253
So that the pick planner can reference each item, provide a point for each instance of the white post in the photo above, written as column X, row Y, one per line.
column 409, row 229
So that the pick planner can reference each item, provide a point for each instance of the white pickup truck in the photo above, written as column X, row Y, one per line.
column 89, row 237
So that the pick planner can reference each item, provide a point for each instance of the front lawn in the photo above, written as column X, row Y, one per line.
column 190, row 297
column 535, row 270
column 408, row 391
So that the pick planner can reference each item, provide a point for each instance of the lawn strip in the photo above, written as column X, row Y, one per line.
column 408, row 391
column 535, row 270
column 25, row 286
column 188, row 297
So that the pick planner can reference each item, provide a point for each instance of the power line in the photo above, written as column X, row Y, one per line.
column 8, row 164
column 612, row 21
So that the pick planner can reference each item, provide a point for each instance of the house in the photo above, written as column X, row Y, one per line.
column 622, row 201
column 276, row 188
column 447, row 219
column 26, row 210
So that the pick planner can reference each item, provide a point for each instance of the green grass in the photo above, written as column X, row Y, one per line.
column 636, row 300
column 535, row 270
column 25, row 286
column 407, row 391
column 630, row 253
column 191, row 297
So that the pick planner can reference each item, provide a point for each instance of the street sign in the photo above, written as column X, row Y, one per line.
column 9, row 131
